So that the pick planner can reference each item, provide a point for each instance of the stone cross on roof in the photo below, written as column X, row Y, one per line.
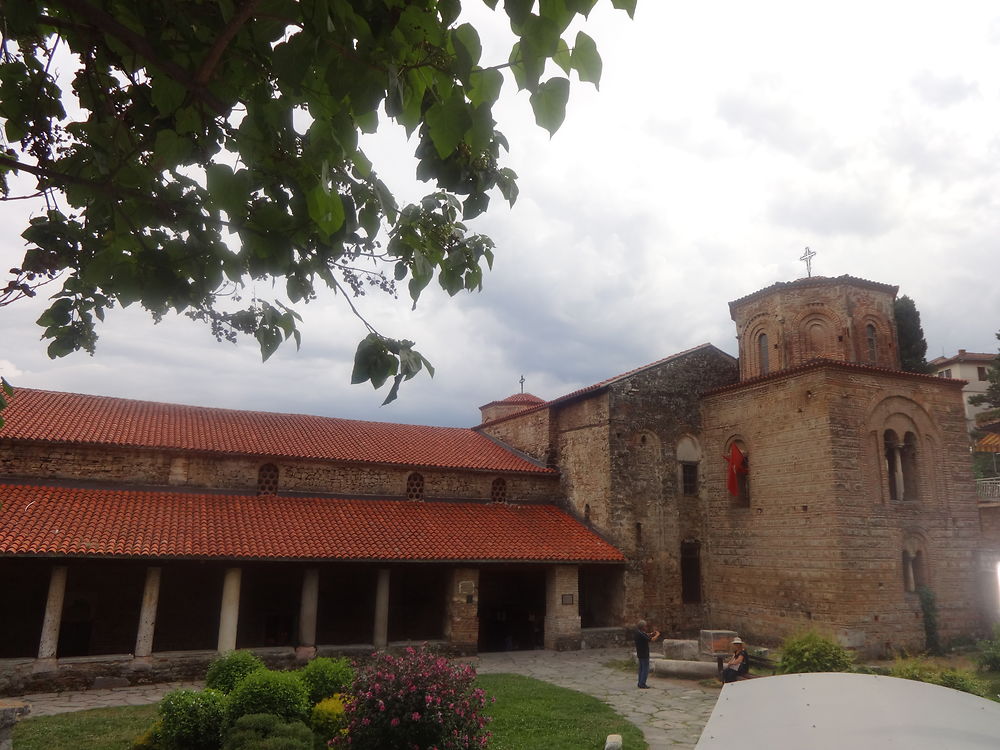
column 522, row 383
column 807, row 256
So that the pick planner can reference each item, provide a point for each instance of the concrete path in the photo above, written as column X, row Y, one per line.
column 671, row 713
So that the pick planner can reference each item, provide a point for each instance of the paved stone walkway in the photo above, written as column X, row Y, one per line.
column 671, row 713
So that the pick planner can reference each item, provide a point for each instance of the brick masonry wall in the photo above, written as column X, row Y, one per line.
column 821, row 545
column 783, row 313
column 35, row 462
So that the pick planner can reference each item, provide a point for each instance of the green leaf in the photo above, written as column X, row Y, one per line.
column 626, row 5
column 6, row 386
column 486, row 85
column 447, row 123
column 549, row 103
column 468, row 49
column 563, row 58
column 326, row 209
column 518, row 10
column 270, row 339
column 586, row 59
column 167, row 94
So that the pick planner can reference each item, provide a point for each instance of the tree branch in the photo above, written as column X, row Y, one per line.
column 207, row 68
column 141, row 46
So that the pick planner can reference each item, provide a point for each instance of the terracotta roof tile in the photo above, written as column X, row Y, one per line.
column 524, row 399
column 49, row 416
column 813, row 281
column 74, row 521
column 821, row 362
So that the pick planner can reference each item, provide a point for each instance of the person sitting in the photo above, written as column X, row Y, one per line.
column 738, row 664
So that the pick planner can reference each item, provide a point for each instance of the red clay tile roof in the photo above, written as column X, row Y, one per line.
column 74, row 521
column 815, row 281
column 821, row 362
column 99, row 420
column 525, row 399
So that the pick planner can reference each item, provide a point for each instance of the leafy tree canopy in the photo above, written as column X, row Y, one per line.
column 197, row 145
column 912, row 344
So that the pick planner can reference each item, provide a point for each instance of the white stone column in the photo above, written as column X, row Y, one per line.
column 230, row 610
column 381, row 636
column 306, row 648
column 147, row 615
column 49, row 641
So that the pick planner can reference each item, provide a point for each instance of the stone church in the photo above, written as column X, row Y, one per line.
column 808, row 484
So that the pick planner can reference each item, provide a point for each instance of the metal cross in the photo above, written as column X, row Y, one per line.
column 808, row 256
column 522, row 384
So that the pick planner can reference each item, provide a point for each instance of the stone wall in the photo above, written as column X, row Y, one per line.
column 135, row 467
column 820, row 544
column 528, row 433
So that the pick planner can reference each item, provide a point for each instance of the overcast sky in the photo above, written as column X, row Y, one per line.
column 726, row 137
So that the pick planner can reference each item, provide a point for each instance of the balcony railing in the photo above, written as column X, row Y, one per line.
column 988, row 489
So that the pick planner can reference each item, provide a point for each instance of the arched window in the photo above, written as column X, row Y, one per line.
column 415, row 486
column 762, row 353
column 688, row 460
column 738, row 474
column 691, row 572
column 872, row 340
column 267, row 480
column 914, row 563
column 498, row 490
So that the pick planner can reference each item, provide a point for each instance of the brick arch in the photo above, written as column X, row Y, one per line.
column 743, row 499
column 904, row 417
column 915, row 555
column 883, row 355
column 750, row 359
column 816, row 330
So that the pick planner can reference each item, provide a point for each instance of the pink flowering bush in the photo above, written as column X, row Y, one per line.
column 417, row 701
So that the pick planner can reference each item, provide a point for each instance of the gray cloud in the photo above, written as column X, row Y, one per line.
column 943, row 91
column 828, row 213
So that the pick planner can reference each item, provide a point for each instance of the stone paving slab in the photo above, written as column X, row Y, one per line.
column 671, row 714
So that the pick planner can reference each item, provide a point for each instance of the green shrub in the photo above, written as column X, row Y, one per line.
column 328, row 719
column 227, row 670
column 956, row 679
column 150, row 739
column 269, row 692
column 192, row 720
column 812, row 652
column 325, row 677
column 928, row 604
column 989, row 652
column 268, row 732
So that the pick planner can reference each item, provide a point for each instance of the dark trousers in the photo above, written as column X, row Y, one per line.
column 643, row 671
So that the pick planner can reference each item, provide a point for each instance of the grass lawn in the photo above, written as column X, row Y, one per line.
column 528, row 714
column 98, row 729
column 533, row 714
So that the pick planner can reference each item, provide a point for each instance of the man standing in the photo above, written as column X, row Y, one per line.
column 642, row 640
